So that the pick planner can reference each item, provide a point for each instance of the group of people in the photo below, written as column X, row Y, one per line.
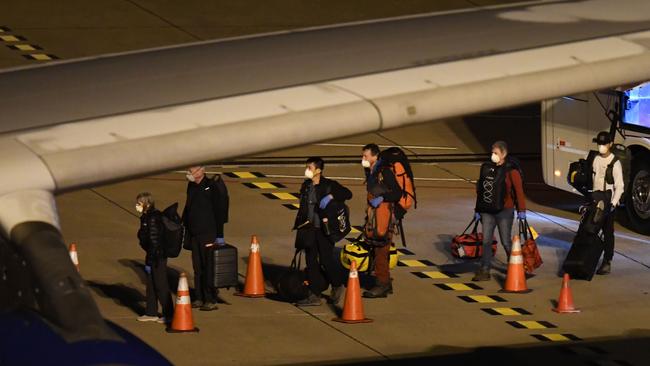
column 206, row 211
column 204, row 216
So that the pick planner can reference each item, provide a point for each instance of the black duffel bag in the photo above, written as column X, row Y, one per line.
column 292, row 285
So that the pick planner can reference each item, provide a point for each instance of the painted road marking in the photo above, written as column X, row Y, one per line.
column 24, row 47
column 292, row 206
column 531, row 324
column 458, row 286
column 404, row 251
column 264, row 185
column 436, row 275
column 4, row 29
column 555, row 337
column 12, row 38
column 282, row 196
column 506, row 311
column 483, row 299
column 40, row 57
column 356, row 230
column 245, row 175
column 415, row 263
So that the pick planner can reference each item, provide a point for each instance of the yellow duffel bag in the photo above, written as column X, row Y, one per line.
column 358, row 253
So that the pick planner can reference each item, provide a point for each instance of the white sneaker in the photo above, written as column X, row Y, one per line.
column 161, row 320
column 147, row 318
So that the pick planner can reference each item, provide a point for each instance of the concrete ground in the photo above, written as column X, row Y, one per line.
column 421, row 322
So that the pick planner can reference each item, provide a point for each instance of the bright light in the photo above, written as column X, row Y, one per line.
column 558, row 173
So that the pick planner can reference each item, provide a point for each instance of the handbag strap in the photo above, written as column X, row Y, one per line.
column 524, row 229
column 475, row 229
column 296, row 262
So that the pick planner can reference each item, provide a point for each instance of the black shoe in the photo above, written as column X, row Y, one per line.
column 197, row 304
column 605, row 268
column 209, row 306
column 483, row 274
column 378, row 291
column 336, row 294
column 311, row 300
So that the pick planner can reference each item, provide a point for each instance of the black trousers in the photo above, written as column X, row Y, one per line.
column 322, row 270
column 158, row 290
column 608, row 233
column 203, row 265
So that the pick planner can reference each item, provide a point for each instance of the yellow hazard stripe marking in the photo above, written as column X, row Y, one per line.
column 355, row 231
column 436, row 275
column 245, row 175
column 531, row 324
column 39, row 57
column 282, row 196
column 508, row 311
column 265, row 185
column 556, row 337
column 415, row 263
column 483, row 299
column 24, row 47
column 10, row 38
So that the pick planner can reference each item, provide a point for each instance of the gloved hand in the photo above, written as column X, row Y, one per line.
column 477, row 216
column 521, row 215
column 375, row 202
column 220, row 241
column 147, row 269
column 325, row 201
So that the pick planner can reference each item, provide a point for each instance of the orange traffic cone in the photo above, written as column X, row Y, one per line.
column 353, row 306
column 182, row 321
column 565, row 302
column 73, row 255
column 254, row 286
column 516, row 277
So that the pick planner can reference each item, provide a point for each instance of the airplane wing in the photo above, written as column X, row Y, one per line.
column 73, row 124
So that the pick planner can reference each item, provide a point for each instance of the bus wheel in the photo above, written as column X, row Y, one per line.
column 637, row 201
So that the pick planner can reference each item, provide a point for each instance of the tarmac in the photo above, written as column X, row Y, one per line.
column 424, row 321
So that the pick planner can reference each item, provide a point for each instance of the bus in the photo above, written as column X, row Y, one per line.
column 570, row 123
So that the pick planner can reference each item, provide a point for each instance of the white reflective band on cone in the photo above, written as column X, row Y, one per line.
column 182, row 284
column 183, row 300
column 73, row 256
column 255, row 248
column 518, row 259
column 354, row 274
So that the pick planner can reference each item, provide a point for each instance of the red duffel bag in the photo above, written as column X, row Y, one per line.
column 532, row 259
column 470, row 246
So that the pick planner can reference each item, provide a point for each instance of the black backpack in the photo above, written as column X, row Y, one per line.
column 580, row 175
column 491, row 186
column 223, row 198
column 173, row 231
column 622, row 154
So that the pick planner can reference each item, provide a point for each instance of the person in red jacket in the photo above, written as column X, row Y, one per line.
column 514, row 197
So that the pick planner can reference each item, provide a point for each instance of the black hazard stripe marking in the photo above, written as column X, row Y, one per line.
column 415, row 263
column 245, row 175
column 482, row 299
column 556, row 337
column 404, row 251
column 12, row 38
column 506, row 311
column 458, row 286
column 4, row 29
column 292, row 206
column 25, row 47
column 282, row 196
column 264, row 185
column 436, row 275
column 531, row 324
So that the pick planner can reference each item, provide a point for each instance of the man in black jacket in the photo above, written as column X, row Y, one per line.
column 150, row 235
column 316, row 193
column 204, row 216
column 383, row 189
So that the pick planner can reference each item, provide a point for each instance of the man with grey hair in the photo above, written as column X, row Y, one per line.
column 204, row 216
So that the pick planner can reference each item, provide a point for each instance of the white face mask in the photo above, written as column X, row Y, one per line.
column 365, row 163
column 309, row 174
column 139, row 208
column 190, row 177
column 495, row 158
column 603, row 149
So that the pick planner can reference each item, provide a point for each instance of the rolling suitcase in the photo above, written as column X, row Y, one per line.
column 582, row 259
column 225, row 266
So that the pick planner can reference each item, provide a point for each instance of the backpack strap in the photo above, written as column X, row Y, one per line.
column 609, row 173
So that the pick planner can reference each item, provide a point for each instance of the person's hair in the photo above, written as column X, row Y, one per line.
column 374, row 149
column 146, row 199
column 318, row 162
column 501, row 145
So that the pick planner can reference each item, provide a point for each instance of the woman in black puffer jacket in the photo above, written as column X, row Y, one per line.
column 150, row 235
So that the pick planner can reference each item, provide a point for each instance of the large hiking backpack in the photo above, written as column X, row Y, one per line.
column 173, row 231
column 395, row 159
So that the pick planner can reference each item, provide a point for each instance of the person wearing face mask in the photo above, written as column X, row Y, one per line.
column 204, row 216
column 316, row 193
column 513, row 195
column 150, row 235
column 608, row 178
column 383, row 189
